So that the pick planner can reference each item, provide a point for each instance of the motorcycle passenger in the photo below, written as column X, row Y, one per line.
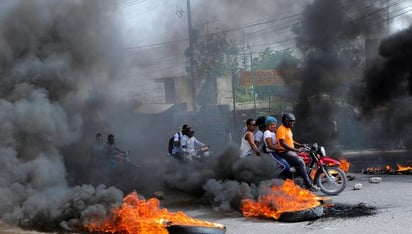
column 177, row 139
column 247, row 144
column 190, row 143
column 260, row 123
column 97, row 155
column 286, row 148
column 269, row 137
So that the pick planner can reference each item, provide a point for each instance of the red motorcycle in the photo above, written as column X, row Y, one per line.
column 324, row 171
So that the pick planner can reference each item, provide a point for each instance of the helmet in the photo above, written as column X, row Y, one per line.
column 288, row 117
column 270, row 119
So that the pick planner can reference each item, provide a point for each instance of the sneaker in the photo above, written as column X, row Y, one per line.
column 313, row 188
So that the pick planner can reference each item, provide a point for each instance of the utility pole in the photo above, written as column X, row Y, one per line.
column 253, row 83
column 192, row 77
column 234, row 130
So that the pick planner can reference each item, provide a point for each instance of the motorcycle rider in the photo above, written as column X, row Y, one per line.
column 113, row 151
column 190, row 143
column 247, row 144
column 286, row 148
column 269, row 137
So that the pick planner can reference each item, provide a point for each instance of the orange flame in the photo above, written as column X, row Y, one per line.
column 344, row 165
column 389, row 170
column 136, row 215
column 286, row 198
column 404, row 168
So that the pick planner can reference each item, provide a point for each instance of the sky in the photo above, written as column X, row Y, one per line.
column 157, row 31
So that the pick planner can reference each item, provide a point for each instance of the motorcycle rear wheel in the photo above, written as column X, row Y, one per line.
column 331, row 180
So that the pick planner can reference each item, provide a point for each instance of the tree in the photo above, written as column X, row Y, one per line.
column 213, row 56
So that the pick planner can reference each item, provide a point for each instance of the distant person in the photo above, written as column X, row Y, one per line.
column 269, row 137
column 247, row 143
column 260, row 123
column 190, row 144
column 286, row 148
column 98, row 152
column 113, row 151
column 100, row 161
column 177, row 138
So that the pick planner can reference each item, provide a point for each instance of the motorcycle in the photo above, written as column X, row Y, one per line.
column 324, row 171
column 201, row 154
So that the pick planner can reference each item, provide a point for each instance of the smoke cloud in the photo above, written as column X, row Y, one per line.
column 329, row 36
column 55, row 54
column 59, row 62
column 386, row 88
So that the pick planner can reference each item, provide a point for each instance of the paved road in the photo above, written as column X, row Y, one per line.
column 392, row 198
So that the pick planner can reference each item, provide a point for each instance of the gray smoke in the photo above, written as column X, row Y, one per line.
column 328, row 37
column 55, row 54
column 224, row 179
column 386, row 89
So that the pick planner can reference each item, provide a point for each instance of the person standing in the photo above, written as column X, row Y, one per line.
column 286, row 147
column 247, row 144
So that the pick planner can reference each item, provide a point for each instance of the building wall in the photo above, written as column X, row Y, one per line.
column 224, row 91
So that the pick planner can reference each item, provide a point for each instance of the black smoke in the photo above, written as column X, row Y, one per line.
column 57, row 60
column 329, row 37
column 386, row 89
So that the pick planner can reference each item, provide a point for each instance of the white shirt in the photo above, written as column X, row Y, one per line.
column 177, row 137
column 259, row 138
column 189, row 145
column 245, row 148
column 269, row 134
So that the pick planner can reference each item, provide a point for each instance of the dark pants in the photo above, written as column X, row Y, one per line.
column 284, row 171
column 179, row 156
column 294, row 160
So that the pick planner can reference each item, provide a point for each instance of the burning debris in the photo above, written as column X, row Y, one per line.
column 349, row 211
column 344, row 165
column 401, row 170
column 277, row 200
column 137, row 215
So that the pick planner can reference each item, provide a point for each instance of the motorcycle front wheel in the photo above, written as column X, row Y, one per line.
column 331, row 180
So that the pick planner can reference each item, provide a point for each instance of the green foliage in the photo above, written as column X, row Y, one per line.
column 244, row 94
column 213, row 55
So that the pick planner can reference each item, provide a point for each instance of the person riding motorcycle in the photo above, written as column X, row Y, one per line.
column 269, row 137
column 190, row 144
column 286, row 148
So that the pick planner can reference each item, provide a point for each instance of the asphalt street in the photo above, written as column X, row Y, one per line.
column 392, row 199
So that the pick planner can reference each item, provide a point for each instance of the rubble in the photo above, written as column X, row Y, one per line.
column 375, row 180
column 357, row 186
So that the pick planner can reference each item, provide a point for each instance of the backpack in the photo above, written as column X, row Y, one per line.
column 171, row 143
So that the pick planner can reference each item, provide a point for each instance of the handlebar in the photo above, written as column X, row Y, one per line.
column 306, row 148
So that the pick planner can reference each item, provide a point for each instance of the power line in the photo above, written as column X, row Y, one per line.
column 288, row 40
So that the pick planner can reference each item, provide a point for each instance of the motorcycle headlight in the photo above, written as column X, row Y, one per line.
column 322, row 151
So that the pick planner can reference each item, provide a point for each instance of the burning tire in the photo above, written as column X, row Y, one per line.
column 304, row 215
column 331, row 180
column 189, row 229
